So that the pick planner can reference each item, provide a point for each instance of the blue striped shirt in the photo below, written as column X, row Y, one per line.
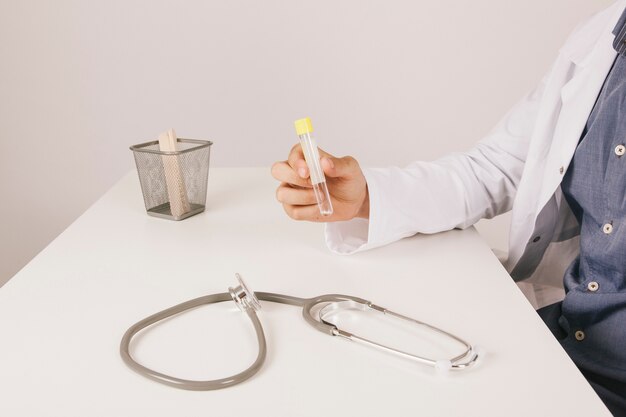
column 593, row 313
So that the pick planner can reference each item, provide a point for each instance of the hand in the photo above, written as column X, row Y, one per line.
column 345, row 180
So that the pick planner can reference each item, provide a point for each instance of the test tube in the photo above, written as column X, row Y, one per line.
column 304, row 128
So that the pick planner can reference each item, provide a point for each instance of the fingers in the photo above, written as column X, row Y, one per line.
column 346, row 182
column 289, row 195
column 299, row 203
column 346, row 167
column 296, row 161
column 283, row 172
column 310, row 213
column 294, row 170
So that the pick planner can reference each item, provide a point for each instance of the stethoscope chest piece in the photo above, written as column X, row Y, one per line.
column 243, row 297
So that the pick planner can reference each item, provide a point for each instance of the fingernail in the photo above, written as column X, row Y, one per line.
column 302, row 172
column 330, row 162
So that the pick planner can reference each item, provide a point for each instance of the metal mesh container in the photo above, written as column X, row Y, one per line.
column 173, row 184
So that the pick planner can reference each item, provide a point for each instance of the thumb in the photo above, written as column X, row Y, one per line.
column 338, row 167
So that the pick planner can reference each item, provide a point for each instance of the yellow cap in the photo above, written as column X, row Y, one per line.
column 303, row 126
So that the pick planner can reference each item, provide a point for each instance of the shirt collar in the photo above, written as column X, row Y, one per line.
column 620, row 34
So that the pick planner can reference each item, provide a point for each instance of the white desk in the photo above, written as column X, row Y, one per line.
column 62, row 317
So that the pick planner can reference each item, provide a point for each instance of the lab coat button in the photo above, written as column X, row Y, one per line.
column 561, row 170
column 536, row 239
column 593, row 286
column 620, row 150
column 607, row 228
column 579, row 335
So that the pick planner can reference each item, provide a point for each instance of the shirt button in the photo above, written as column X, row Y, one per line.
column 607, row 228
column 561, row 170
column 579, row 335
column 620, row 150
column 593, row 286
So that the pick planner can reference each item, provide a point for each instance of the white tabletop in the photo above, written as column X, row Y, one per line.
column 62, row 317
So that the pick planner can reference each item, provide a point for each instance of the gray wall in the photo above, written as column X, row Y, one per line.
column 385, row 81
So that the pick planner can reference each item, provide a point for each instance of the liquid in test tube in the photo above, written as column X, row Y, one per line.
column 304, row 129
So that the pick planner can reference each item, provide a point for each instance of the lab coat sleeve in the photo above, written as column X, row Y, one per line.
column 453, row 192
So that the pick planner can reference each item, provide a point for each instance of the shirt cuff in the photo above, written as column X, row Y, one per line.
column 357, row 235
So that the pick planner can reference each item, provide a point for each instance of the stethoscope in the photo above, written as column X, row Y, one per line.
column 248, row 302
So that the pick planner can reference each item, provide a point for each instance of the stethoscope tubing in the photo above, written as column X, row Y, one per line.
column 308, row 305
column 186, row 383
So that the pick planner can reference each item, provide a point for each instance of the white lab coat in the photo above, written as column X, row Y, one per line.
column 518, row 166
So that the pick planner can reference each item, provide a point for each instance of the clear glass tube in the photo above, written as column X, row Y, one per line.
column 312, row 157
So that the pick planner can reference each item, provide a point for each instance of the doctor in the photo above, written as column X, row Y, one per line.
column 558, row 160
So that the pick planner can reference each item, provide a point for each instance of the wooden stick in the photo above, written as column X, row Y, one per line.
column 176, row 191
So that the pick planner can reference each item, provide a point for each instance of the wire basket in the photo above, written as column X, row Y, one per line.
column 173, row 184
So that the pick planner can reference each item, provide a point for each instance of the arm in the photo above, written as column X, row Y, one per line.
column 380, row 206
column 453, row 192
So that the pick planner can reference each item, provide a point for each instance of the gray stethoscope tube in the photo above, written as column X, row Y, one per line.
column 248, row 302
